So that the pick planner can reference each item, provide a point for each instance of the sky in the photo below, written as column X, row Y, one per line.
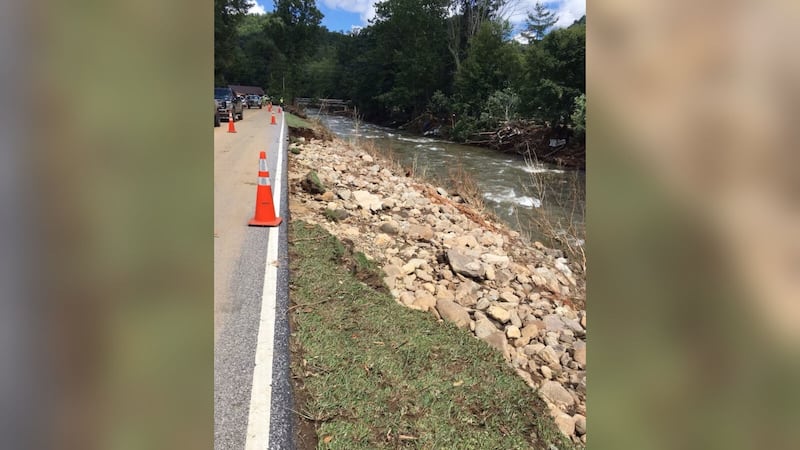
column 344, row 15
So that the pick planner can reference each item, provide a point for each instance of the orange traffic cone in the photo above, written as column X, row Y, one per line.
column 273, row 122
column 269, row 106
column 231, row 127
column 279, row 109
column 265, row 208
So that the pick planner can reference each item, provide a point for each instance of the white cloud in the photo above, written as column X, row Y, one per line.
column 568, row 11
column 520, row 38
column 364, row 8
column 255, row 8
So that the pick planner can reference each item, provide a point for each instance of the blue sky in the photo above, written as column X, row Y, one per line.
column 343, row 15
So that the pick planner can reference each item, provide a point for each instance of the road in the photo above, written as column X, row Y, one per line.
column 252, row 391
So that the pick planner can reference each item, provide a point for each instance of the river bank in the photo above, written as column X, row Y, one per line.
column 446, row 259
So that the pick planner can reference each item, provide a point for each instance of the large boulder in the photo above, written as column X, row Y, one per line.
column 453, row 312
column 312, row 184
column 464, row 264
column 367, row 201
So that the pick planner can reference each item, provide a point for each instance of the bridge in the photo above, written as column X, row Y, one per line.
column 327, row 105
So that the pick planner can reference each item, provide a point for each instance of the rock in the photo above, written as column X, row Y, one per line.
column 383, row 240
column 533, row 349
column 566, row 337
column 453, row 312
column 392, row 270
column 583, row 320
column 312, row 184
column 553, row 322
column 367, row 201
column 515, row 320
column 483, row 304
column 509, row 297
column 579, row 353
column 389, row 228
column 490, row 273
column 407, row 298
column 336, row 215
column 423, row 275
column 344, row 194
column 465, row 265
column 466, row 293
column 546, row 372
column 565, row 424
column 420, row 233
column 549, row 356
column 496, row 260
column 498, row 341
column 424, row 301
column 328, row 196
column 412, row 265
column 500, row 314
column 556, row 394
column 484, row 327
column 504, row 277
column 580, row 424
column 444, row 293
column 512, row 332
column 366, row 158
column 441, row 192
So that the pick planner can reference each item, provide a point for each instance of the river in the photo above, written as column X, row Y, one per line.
column 520, row 193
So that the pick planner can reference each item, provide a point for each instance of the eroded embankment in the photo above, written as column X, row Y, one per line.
column 444, row 258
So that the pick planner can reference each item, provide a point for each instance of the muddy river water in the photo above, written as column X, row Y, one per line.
column 521, row 193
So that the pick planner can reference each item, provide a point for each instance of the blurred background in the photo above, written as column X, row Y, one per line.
column 106, row 224
column 693, row 224
column 107, row 231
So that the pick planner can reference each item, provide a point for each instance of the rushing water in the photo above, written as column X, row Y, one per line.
column 520, row 193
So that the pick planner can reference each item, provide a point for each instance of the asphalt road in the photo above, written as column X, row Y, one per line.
column 251, row 342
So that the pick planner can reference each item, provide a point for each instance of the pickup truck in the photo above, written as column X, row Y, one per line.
column 253, row 101
column 228, row 103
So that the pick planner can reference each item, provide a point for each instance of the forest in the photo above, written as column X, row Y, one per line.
column 451, row 65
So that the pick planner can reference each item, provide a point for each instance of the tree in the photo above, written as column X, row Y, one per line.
column 227, row 16
column 486, row 69
column 538, row 22
column 555, row 73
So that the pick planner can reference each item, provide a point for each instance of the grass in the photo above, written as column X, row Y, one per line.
column 296, row 122
column 374, row 374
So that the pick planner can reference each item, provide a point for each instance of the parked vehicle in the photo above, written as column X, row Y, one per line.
column 253, row 101
column 216, row 113
column 228, row 104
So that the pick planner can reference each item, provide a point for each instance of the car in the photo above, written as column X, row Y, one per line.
column 228, row 104
column 216, row 114
column 253, row 100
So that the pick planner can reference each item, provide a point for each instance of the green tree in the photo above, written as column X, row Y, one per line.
column 538, row 22
column 410, row 39
column 555, row 73
column 579, row 116
column 297, row 39
column 487, row 68
column 227, row 16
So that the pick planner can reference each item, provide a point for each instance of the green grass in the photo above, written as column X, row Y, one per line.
column 296, row 122
column 378, row 375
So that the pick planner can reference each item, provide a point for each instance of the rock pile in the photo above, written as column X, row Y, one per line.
column 524, row 300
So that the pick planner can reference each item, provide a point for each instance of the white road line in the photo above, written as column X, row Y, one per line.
column 261, row 392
